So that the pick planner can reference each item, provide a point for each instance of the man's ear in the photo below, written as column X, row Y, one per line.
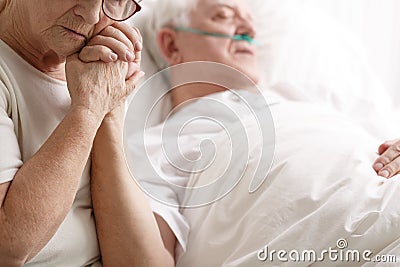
column 166, row 40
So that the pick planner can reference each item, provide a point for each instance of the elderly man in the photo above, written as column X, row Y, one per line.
column 66, row 195
column 223, row 32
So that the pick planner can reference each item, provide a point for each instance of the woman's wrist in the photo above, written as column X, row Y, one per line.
column 86, row 117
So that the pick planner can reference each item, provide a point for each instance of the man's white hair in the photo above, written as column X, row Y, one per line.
column 165, row 13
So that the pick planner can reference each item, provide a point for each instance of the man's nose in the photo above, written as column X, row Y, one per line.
column 246, row 27
column 89, row 10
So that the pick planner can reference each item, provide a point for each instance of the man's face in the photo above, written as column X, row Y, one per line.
column 62, row 26
column 227, row 17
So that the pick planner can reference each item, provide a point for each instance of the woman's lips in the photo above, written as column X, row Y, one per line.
column 75, row 34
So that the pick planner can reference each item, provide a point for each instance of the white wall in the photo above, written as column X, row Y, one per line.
column 377, row 24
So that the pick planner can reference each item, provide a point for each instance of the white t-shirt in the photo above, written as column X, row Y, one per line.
column 32, row 104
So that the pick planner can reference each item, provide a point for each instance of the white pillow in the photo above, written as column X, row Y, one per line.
column 306, row 48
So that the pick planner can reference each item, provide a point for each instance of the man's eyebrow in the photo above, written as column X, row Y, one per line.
column 216, row 5
column 234, row 8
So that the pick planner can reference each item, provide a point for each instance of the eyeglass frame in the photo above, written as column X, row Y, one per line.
column 138, row 8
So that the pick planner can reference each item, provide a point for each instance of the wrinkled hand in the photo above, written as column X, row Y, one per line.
column 118, row 41
column 100, row 87
column 388, row 163
column 106, row 70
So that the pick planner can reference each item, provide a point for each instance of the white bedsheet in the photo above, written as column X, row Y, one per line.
column 321, row 188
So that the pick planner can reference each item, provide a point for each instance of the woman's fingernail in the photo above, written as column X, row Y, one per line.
column 113, row 56
column 129, row 56
column 141, row 73
column 384, row 173
column 378, row 166
column 138, row 46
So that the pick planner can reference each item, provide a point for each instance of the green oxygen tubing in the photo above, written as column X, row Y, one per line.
column 237, row 37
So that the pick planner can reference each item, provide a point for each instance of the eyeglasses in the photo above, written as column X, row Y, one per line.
column 120, row 10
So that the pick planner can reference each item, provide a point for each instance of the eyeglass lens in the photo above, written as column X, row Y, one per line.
column 120, row 9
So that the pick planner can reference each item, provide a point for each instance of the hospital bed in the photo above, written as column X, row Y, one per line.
column 306, row 58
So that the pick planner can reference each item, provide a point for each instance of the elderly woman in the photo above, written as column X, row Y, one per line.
column 66, row 68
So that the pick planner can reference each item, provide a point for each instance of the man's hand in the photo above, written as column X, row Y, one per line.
column 388, row 163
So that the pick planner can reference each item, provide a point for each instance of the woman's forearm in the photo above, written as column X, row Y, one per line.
column 43, row 190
